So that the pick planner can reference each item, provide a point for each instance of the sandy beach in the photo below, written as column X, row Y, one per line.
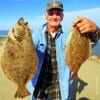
column 87, row 72
column 88, row 84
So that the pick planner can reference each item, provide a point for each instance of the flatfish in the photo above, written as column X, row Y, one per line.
column 19, row 59
column 2, row 39
column 78, row 49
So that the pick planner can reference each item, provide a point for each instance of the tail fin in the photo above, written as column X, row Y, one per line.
column 21, row 92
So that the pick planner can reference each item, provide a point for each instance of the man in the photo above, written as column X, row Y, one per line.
column 51, row 81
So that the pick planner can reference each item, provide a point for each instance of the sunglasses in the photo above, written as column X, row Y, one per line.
column 51, row 13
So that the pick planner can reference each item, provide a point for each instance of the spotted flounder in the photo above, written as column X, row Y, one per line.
column 2, row 39
column 19, row 59
column 78, row 49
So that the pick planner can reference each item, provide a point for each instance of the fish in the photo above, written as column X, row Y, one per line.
column 2, row 39
column 19, row 59
column 77, row 51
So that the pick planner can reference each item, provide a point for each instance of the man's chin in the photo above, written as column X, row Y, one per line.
column 55, row 25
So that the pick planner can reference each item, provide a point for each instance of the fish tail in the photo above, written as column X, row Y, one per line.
column 74, row 76
column 21, row 92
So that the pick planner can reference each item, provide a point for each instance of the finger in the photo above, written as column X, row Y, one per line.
column 85, row 28
column 81, row 24
column 77, row 21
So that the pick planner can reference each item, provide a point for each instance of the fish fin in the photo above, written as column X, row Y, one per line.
column 21, row 92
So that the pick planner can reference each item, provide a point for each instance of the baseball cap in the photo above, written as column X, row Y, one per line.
column 54, row 5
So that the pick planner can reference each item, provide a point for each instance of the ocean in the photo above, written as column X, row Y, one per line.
column 3, row 32
column 95, row 49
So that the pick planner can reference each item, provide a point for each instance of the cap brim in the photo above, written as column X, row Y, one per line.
column 54, row 8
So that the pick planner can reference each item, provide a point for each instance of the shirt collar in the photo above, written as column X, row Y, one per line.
column 59, row 30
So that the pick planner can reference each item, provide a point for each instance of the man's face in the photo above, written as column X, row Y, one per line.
column 54, row 17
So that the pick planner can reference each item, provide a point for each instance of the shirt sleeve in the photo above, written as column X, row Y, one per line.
column 95, row 37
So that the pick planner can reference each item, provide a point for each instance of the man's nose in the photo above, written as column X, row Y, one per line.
column 54, row 15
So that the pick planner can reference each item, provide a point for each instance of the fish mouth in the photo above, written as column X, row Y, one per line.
column 19, row 36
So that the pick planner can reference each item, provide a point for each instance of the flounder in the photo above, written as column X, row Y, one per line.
column 78, row 49
column 19, row 59
column 2, row 39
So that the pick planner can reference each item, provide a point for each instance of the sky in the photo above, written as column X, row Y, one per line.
column 33, row 11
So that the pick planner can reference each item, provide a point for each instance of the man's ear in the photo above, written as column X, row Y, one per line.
column 46, row 16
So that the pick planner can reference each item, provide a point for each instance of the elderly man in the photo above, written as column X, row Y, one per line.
column 51, row 81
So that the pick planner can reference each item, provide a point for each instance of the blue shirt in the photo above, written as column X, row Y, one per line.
column 64, row 72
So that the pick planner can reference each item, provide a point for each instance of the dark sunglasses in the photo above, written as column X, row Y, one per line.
column 51, row 13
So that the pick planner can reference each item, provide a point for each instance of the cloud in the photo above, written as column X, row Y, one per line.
column 89, row 13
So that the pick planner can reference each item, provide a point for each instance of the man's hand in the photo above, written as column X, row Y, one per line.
column 84, row 25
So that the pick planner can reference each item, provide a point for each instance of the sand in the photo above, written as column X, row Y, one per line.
column 87, row 87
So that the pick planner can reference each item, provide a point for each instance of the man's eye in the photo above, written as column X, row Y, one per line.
column 51, row 13
column 58, row 14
